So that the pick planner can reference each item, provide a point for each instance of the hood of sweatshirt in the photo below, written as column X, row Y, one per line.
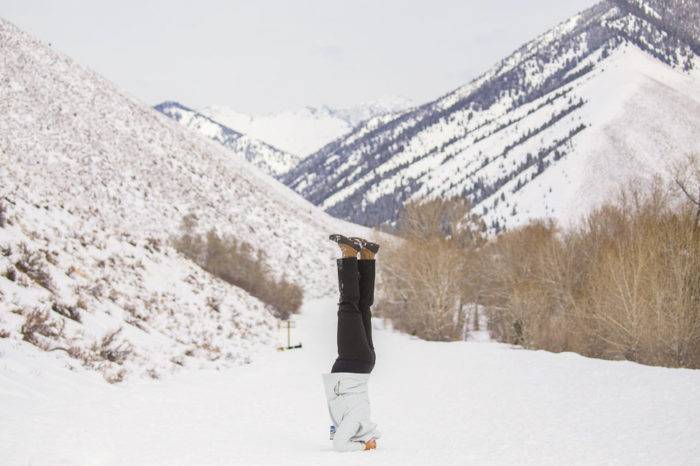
column 344, row 383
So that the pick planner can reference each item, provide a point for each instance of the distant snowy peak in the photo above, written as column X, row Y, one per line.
column 383, row 106
column 306, row 130
column 550, row 131
column 273, row 161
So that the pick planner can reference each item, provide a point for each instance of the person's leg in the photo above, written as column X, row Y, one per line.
column 366, row 269
column 354, row 352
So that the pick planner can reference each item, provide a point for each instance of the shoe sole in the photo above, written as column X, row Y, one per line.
column 340, row 239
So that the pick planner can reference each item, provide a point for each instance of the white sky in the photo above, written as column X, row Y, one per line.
column 265, row 55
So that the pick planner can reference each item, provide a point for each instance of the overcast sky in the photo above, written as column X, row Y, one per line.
column 265, row 55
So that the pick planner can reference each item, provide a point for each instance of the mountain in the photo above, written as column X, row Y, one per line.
column 93, row 187
column 271, row 160
column 305, row 130
column 550, row 131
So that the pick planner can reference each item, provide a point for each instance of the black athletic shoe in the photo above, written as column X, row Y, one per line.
column 352, row 242
column 372, row 247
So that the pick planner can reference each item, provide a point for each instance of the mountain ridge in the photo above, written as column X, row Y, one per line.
column 267, row 157
column 305, row 130
column 478, row 129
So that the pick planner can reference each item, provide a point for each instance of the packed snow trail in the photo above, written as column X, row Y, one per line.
column 436, row 403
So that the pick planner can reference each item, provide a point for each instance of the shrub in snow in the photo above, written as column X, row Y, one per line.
column 240, row 265
column 115, row 376
column 4, row 216
column 10, row 274
column 70, row 312
column 38, row 324
column 31, row 264
column 111, row 349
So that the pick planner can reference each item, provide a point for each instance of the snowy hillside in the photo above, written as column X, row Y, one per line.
column 271, row 160
column 462, row 403
column 305, row 130
column 611, row 94
column 93, row 185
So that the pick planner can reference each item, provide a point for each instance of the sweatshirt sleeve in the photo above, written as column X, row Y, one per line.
column 342, row 442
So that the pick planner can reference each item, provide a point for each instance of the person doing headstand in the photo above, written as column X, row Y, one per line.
column 346, row 384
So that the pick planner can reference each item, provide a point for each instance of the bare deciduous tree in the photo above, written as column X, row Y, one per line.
column 425, row 273
column 687, row 177
column 623, row 285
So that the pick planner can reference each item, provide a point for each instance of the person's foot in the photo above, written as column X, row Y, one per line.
column 369, row 249
column 349, row 247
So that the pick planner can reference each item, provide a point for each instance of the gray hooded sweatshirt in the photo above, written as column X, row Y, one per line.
column 348, row 405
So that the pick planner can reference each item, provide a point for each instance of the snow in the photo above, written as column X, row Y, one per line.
column 269, row 159
column 474, row 402
column 95, row 186
column 646, row 116
column 306, row 130
column 570, row 118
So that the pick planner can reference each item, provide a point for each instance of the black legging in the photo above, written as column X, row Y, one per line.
column 355, row 347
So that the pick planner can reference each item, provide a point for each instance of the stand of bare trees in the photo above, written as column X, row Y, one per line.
column 239, row 264
column 425, row 274
column 623, row 284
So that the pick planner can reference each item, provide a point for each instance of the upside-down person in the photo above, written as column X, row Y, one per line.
column 346, row 385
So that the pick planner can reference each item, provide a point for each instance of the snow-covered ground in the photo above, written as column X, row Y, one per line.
column 436, row 403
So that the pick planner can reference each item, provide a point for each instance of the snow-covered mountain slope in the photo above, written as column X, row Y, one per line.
column 308, row 129
column 448, row 404
column 271, row 160
column 611, row 94
column 93, row 185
